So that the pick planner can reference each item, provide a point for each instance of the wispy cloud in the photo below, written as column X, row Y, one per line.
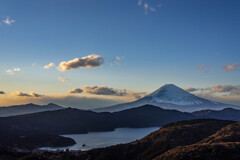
column 227, row 89
column 8, row 21
column 221, row 93
column 89, row 61
column 62, row 79
column 147, row 7
column 190, row 89
column 50, row 65
column 232, row 67
column 12, row 71
column 116, row 60
column 203, row 68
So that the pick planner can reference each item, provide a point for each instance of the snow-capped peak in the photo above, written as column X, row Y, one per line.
column 170, row 93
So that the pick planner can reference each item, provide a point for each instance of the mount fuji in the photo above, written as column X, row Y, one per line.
column 170, row 96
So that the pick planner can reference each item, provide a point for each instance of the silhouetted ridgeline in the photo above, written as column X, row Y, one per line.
column 21, row 131
column 27, row 108
column 185, row 140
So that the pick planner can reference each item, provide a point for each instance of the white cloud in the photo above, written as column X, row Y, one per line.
column 89, row 61
column 16, row 69
column 49, row 66
column 147, row 7
column 8, row 21
column 12, row 71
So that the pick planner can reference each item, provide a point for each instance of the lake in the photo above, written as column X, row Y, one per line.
column 105, row 139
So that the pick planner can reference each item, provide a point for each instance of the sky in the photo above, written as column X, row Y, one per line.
column 96, row 53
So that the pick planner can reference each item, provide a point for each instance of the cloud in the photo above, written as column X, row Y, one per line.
column 89, row 61
column 107, row 91
column 226, row 89
column 229, row 99
column 62, row 79
column 221, row 93
column 1, row 92
column 190, row 89
column 232, row 90
column 16, row 69
column 103, row 90
column 49, row 66
column 11, row 71
column 140, row 2
column 76, row 90
column 147, row 7
column 137, row 95
column 8, row 21
column 116, row 60
column 203, row 68
column 24, row 94
column 231, row 67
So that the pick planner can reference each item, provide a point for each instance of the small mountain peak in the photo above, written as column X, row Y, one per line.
column 30, row 104
column 169, row 85
column 51, row 104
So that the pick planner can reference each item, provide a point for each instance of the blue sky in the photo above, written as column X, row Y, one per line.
column 185, row 42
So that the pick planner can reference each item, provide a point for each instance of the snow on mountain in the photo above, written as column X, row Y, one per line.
column 170, row 96
column 170, row 93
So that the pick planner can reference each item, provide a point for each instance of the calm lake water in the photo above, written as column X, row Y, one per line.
column 105, row 139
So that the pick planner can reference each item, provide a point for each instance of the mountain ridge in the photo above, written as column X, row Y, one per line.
column 27, row 109
column 170, row 96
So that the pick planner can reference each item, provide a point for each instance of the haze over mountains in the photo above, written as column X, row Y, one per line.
column 27, row 108
column 170, row 96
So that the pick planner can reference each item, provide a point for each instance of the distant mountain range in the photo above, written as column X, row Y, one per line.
column 170, row 96
column 26, row 109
